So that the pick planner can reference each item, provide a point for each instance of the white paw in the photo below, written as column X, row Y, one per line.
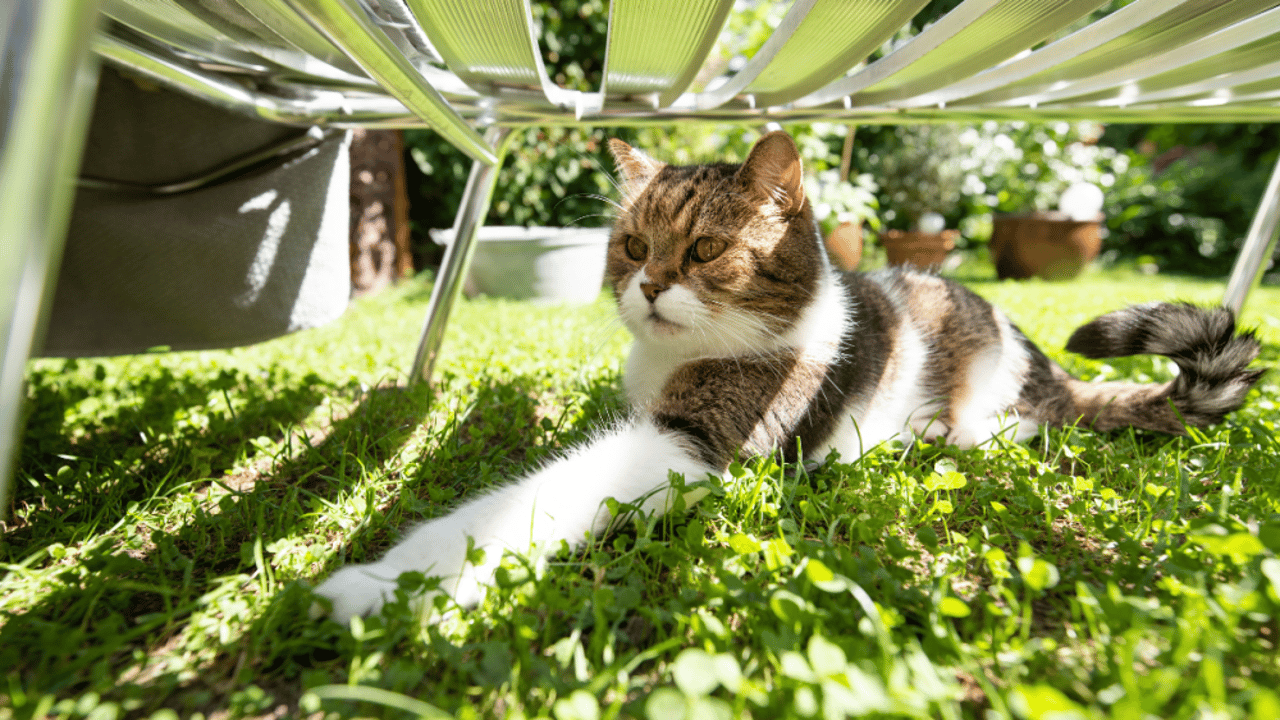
column 358, row 590
column 468, row 588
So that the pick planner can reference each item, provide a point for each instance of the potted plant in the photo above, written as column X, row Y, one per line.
column 841, row 208
column 1029, row 169
column 922, row 180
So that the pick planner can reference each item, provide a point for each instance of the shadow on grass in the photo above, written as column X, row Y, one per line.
column 478, row 449
column 152, row 513
column 160, row 587
column 79, row 475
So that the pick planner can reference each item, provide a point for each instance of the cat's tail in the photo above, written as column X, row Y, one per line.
column 1212, row 360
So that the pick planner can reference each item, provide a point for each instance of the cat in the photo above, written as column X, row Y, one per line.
column 746, row 341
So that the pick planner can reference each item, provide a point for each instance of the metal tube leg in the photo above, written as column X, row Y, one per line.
column 457, row 257
column 46, row 90
column 1258, row 248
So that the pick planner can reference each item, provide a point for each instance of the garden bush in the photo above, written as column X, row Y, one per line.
column 1192, row 191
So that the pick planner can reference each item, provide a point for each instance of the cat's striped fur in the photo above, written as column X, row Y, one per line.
column 747, row 341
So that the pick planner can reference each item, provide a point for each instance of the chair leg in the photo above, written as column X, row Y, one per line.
column 457, row 257
column 1258, row 248
column 46, row 87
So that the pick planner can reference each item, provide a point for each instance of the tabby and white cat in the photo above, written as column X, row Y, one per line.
column 747, row 341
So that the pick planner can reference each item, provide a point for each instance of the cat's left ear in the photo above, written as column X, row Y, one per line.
column 636, row 168
column 773, row 172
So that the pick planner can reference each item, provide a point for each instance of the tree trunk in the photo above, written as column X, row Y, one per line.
column 379, row 211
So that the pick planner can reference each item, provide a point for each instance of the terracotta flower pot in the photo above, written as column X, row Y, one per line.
column 1046, row 244
column 845, row 245
column 918, row 249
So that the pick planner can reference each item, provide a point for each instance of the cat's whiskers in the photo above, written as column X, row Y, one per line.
column 601, row 171
column 729, row 330
column 713, row 325
column 744, row 323
column 604, row 333
column 599, row 336
column 575, row 221
column 757, row 315
column 605, row 199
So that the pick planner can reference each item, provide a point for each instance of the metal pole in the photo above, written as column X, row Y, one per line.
column 457, row 256
column 46, row 89
column 1258, row 248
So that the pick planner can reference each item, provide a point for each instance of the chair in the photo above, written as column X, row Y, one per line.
column 472, row 70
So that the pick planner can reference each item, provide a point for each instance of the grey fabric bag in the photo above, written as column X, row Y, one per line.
column 245, row 258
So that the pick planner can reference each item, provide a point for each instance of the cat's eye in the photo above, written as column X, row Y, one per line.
column 636, row 248
column 706, row 249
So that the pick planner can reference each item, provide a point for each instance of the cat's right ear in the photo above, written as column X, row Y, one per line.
column 773, row 172
column 636, row 168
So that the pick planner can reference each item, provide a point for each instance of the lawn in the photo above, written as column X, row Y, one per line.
column 172, row 510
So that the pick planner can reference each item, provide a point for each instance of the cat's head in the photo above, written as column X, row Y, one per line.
column 710, row 259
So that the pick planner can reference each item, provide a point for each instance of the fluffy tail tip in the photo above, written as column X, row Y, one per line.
column 1212, row 359
column 1159, row 328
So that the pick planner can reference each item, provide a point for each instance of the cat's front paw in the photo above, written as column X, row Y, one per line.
column 358, row 590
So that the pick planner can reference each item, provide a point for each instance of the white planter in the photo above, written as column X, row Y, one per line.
column 542, row 264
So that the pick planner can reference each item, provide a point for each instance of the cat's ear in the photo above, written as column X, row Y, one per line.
column 636, row 168
column 773, row 172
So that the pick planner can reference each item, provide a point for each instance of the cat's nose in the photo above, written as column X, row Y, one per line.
column 651, row 290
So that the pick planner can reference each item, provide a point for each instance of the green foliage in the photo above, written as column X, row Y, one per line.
column 1193, row 191
column 572, row 35
column 693, row 143
column 839, row 200
column 172, row 510
column 923, row 173
column 1188, row 214
column 554, row 176
column 747, row 28
column 1020, row 167
column 1191, row 216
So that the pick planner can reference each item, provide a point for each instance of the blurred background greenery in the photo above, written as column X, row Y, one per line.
column 1179, row 197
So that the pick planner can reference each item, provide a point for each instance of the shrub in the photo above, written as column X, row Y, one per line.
column 923, row 173
column 1190, row 214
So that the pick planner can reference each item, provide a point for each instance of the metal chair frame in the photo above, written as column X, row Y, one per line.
column 472, row 70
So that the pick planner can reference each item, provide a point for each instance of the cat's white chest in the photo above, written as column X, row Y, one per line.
column 647, row 370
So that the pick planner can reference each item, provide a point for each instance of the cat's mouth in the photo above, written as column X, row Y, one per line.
column 663, row 325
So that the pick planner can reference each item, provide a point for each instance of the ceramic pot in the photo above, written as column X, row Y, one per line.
column 1049, row 245
column 542, row 264
column 924, row 251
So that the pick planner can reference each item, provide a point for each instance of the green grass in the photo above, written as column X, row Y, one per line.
column 172, row 510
